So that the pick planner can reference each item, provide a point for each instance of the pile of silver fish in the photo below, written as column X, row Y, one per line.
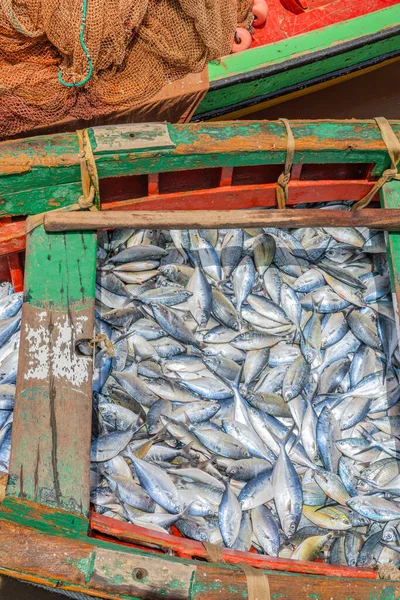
column 10, row 323
column 249, row 395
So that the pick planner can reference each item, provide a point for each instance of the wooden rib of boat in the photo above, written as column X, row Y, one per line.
column 47, row 533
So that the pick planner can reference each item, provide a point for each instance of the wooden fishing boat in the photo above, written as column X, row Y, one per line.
column 305, row 45
column 204, row 174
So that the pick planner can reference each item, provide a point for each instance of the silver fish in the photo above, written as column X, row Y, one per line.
column 243, row 356
column 229, row 517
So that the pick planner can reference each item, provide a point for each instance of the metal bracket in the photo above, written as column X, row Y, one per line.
column 133, row 136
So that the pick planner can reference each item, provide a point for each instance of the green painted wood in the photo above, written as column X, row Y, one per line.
column 52, row 419
column 390, row 198
column 51, row 176
column 40, row 199
column 271, row 54
column 271, row 84
column 60, row 270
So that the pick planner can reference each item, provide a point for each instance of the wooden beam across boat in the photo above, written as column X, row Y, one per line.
column 43, row 173
column 383, row 219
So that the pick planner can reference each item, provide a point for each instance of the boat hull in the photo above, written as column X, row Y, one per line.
column 279, row 71
column 47, row 534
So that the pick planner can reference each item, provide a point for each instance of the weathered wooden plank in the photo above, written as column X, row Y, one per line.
column 46, row 162
column 81, row 564
column 214, row 583
column 180, row 219
column 12, row 235
column 40, row 198
column 390, row 199
column 140, row 575
column 190, row 548
column 43, row 559
column 52, row 419
column 92, row 566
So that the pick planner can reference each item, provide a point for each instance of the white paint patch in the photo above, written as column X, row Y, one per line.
column 79, row 324
column 55, row 354
column 37, row 366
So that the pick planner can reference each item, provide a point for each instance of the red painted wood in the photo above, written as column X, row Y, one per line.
column 247, row 196
column 153, row 186
column 282, row 23
column 113, row 540
column 190, row 180
column 16, row 271
column 226, row 176
column 188, row 547
column 12, row 235
column 296, row 172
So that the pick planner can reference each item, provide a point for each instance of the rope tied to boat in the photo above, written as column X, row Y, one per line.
column 282, row 189
column 90, row 180
column 90, row 197
column 393, row 147
column 101, row 338
column 257, row 581
column 389, row 572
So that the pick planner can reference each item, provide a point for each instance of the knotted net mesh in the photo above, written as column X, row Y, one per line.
column 135, row 48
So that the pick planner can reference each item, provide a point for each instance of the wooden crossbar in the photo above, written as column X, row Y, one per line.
column 383, row 219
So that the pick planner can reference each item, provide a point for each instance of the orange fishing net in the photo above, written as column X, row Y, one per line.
column 83, row 58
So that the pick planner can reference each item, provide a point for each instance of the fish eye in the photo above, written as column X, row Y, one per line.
column 204, row 537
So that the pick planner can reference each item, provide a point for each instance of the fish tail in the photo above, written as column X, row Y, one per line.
column 389, row 367
column 161, row 435
column 283, row 441
column 367, row 436
column 238, row 378
column 186, row 450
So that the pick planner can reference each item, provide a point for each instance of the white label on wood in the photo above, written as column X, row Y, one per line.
column 136, row 136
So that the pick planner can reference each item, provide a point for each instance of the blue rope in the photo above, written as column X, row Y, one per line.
column 86, row 51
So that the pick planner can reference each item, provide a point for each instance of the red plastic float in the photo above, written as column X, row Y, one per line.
column 242, row 40
column 260, row 12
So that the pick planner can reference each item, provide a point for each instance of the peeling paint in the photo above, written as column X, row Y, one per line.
column 50, row 350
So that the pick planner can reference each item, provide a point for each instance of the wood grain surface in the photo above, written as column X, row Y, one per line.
column 52, row 419
column 386, row 219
